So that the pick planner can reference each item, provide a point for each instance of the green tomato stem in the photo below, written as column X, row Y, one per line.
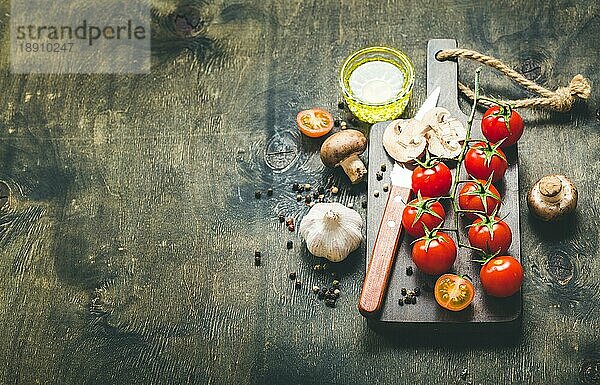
column 471, row 247
column 461, row 158
column 457, row 180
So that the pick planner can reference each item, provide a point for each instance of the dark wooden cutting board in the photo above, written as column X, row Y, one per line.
column 484, row 310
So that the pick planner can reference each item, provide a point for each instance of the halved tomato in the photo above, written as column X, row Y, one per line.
column 315, row 122
column 453, row 292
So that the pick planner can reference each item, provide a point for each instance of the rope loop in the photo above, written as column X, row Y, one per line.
column 561, row 100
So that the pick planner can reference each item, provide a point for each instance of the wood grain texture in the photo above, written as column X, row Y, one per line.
column 128, row 243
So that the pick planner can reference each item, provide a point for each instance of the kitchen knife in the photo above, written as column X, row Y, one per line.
column 390, row 230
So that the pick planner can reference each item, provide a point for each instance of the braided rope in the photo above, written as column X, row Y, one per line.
column 560, row 100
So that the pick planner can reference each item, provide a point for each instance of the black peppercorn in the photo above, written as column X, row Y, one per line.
column 336, row 123
column 292, row 275
column 379, row 175
column 401, row 301
column 407, row 300
column 281, row 218
column 257, row 261
column 257, row 194
column 295, row 186
column 320, row 295
column 330, row 302
column 289, row 244
column 403, row 291
column 307, row 199
column 270, row 192
column 297, row 284
column 414, row 300
column 409, row 270
column 257, row 254
column 383, row 167
column 335, row 283
column 341, row 105
column 417, row 291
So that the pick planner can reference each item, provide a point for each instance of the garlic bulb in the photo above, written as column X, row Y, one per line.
column 331, row 230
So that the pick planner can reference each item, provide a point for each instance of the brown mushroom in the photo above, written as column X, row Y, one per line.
column 404, row 140
column 552, row 197
column 343, row 149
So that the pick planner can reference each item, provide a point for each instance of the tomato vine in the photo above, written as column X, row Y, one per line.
column 457, row 176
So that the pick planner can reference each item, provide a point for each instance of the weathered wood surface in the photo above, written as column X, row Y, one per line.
column 127, row 245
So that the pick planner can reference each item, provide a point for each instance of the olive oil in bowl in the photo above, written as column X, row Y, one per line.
column 377, row 83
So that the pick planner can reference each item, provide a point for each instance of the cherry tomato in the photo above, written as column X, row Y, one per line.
column 453, row 292
column 494, row 128
column 422, row 211
column 501, row 276
column 479, row 195
column 490, row 234
column 434, row 253
column 484, row 160
column 432, row 180
column 315, row 122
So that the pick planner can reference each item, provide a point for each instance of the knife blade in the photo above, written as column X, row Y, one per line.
column 390, row 229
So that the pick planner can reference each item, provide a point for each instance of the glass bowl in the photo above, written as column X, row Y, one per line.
column 377, row 83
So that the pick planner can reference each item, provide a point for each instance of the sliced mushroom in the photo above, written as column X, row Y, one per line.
column 446, row 133
column 404, row 139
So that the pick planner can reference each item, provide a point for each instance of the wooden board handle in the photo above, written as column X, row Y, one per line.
column 384, row 253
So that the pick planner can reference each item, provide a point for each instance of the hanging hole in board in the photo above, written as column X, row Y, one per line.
column 437, row 54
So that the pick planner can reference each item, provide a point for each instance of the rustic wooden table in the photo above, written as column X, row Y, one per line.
column 129, row 236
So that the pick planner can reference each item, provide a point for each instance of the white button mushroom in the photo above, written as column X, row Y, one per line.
column 331, row 230
column 552, row 197
column 343, row 149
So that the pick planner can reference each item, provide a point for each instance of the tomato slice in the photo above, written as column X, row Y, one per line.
column 315, row 122
column 453, row 292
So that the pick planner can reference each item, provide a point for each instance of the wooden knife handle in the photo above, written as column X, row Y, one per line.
column 384, row 252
